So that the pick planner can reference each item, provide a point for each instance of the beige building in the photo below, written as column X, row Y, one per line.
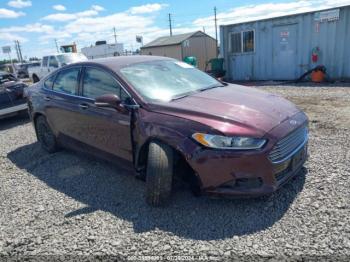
column 197, row 44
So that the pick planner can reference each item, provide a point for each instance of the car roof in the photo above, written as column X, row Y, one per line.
column 117, row 62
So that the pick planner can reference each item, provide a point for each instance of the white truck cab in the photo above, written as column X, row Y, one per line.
column 52, row 62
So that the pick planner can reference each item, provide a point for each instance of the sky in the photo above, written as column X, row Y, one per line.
column 37, row 23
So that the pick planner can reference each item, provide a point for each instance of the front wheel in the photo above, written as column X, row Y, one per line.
column 45, row 135
column 159, row 174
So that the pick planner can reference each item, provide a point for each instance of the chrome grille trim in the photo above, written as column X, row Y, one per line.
column 289, row 145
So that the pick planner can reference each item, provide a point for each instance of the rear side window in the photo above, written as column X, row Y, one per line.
column 49, row 82
column 45, row 60
column 98, row 82
column 67, row 81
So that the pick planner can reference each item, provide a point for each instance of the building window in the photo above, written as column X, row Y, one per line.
column 235, row 43
column 186, row 43
column 248, row 41
column 242, row 42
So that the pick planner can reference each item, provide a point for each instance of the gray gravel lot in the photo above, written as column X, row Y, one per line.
column 66, row 203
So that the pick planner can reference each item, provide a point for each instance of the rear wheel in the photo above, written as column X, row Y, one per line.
column 159, row 174
column 46, row 137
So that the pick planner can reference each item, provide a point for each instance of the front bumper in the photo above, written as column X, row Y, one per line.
column 249, row 173
column 264, row 184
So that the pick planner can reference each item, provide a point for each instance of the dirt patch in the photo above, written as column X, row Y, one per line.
column 328, row 108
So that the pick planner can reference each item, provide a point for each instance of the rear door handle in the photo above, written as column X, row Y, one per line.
column 83, row 106
column 47, row 98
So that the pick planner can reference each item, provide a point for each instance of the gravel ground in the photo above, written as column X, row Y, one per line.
column 67, row 203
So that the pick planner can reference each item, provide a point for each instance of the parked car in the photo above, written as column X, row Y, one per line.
column 8, row 68
column 170, row 120
column 22, row 69
column 51, row 63
column 12, row 100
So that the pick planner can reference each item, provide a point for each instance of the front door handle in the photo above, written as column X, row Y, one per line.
column 83, row 106
column 47, row 98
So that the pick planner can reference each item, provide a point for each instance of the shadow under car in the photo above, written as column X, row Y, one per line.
column 103, row 186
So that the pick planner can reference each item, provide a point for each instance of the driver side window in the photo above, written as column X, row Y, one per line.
column 96, row 83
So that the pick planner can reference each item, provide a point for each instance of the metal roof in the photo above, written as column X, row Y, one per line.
column 171, row 40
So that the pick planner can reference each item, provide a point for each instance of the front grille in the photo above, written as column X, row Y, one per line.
column 287, row 145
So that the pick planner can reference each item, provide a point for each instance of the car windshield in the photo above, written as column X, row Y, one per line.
column 167, row 79
column 66, row 59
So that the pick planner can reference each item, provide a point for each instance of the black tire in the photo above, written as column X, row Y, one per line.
column 45, row 135
column 159, row 174
column 35, row 79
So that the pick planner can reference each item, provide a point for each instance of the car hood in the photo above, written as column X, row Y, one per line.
column 232, row 109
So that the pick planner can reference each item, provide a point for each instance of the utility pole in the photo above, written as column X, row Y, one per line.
column 20, row 52
column 115, row 35
column 57, row 46
column 216, row 31
column 170, row 26
column 16, row 47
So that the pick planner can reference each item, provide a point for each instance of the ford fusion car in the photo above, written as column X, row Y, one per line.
column 169, row 121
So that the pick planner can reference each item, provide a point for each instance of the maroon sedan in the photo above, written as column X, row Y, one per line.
column 169, row 120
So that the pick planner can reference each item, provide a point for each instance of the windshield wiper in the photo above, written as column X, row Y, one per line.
column 183, row 95
column 196, row 91
column 210, row 87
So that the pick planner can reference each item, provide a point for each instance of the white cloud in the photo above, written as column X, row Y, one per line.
column 148, row 8
column 19, row 3
column 31, row 28
column 63, row 17
column 6, row 13
column 4, row 36
column 59, row 7
column 55, row 35
column 97, row 8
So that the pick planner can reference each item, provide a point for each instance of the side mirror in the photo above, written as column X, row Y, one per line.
column 109, row 100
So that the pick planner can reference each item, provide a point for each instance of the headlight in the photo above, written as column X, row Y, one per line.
column 224, row 142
